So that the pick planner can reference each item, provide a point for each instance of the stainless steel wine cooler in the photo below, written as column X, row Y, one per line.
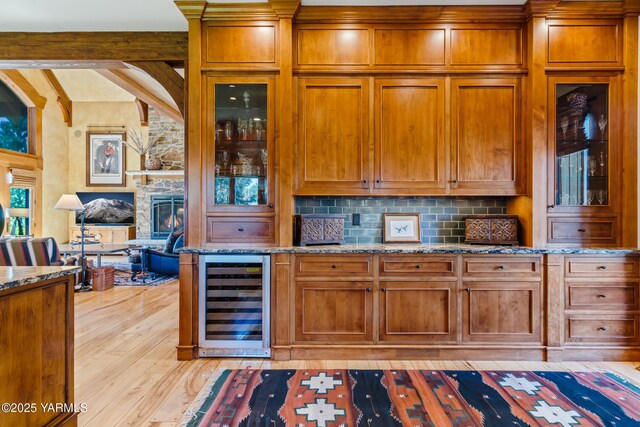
column 234, row 306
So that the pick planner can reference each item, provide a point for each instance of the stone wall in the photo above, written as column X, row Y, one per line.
column 441, row 218
column 170, row 148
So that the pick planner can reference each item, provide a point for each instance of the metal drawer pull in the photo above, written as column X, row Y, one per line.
column 581, row 230
column 602, row 328
column 501, row 267
column 334, row 266
column 602, row 267
column 602, row 296
column 240, row 229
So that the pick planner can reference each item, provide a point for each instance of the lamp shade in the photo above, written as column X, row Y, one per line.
column 18, row 212
column 69, row 202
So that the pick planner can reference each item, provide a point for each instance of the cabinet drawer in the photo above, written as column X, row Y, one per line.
column 598, row 267
column 571, row 230
column 506, row 266
column 336, row 265
column 240, row 230
column 602, row 296
column 602, row 328
column 417, row 266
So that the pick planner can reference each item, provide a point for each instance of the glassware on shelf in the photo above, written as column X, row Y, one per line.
column 219, row 132
column 603, row 161
column 228, row 130
column 246, row 96
column 243, row 130
column 224, row 157
column 602, row 123
column 263, row 157
column 577, row 129
column 592, row 165
column 259, row 130
column 590, row 196
column 234, row 170
column 602, row 197
column 218, row 169
column 564, row 124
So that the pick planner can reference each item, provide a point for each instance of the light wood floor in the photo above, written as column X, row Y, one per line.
column 127, row 374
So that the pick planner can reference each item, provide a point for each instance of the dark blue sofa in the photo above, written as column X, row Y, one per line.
column 159, row 262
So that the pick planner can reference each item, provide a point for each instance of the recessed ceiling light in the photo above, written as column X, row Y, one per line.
column 256, row 119
column 233, row 98
column 232, row 85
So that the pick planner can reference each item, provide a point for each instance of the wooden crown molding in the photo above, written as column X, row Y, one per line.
column 285, row 9
column 66, row 106
column 239, row 12
column 94, row 46
column 191, row 9
column 581, row 9
column 22, row 88
column 391, row 14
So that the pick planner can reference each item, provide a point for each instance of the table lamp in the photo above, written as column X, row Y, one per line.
column 71, row 202
column 17, row 214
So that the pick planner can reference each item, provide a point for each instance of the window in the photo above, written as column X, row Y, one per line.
column 14, row 122
column 19, row 211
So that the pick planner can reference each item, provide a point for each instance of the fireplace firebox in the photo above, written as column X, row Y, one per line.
column 167, row 215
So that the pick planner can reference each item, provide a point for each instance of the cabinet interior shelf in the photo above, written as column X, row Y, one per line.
column 240, row 141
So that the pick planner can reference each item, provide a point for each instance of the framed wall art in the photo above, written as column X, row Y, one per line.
column 105, row 159
column 401, row 228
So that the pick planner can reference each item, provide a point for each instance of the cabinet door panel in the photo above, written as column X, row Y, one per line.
column 417, row 311
column 502, row 311
column 333, row 138
column 334, row 311
column 486, row 133
column 409, row 143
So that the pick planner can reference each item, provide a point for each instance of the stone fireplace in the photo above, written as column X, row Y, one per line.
column 154, row 189
column 167, row 215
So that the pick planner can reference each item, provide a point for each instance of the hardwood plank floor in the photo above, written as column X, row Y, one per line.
column 127, row 374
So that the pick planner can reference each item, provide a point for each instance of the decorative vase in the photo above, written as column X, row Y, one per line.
column 578, row 100
column 153, row 164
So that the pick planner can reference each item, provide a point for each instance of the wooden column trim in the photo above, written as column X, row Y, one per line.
column 167, row 76
column 195, row 183
column 555, row 300
column 188, row 307
column 629, row 216
column 281, row 290
column 66, row 106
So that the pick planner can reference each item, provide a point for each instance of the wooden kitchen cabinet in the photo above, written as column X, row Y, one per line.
column 501, row 311
column 333, row 145
column 423, row 311
column 584, row 168
column 409, row 135
column 334, row 311
column 486, row 136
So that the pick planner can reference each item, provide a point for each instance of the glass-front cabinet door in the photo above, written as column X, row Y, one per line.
column 581, row 158
column 241, row 145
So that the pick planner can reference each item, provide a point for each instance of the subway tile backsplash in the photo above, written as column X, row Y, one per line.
column 441, row 218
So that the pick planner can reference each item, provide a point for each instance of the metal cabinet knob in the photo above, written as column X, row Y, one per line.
column 502, row 267
column 468, row 289
column 602, row 267
column 383, row 289
column 368, row 289
column 602, row 328
column 602, row 296
column 581, row 230
column 417, row 266
column 334, row 266
column 240, row 229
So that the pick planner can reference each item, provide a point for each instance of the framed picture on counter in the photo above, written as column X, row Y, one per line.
column 401, row 228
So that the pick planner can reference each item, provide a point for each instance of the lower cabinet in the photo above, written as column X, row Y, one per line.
column 106, row 234
column 334, row 311
column 501, row 311
column 417, row 311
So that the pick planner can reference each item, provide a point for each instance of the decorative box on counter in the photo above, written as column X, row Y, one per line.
column 319, row 230
column 491, row 229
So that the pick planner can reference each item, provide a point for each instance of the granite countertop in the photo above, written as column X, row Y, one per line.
column 395, row 248
column 13, row 277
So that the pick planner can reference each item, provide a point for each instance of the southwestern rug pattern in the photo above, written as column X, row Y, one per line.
column 327, row 398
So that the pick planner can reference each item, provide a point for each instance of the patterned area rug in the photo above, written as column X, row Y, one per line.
column 327, row 398
column 123, row 276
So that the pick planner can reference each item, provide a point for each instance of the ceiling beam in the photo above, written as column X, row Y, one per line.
column 56, row 65
column 94, row 46
column 167, row 76
column 21, row 87
column 63, row 99
column 142, row 92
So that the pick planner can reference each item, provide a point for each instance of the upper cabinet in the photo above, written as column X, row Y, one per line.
column 587, row 44
column 333, row 136
column 409, row 134
column 411, row 152
column 486, row 136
